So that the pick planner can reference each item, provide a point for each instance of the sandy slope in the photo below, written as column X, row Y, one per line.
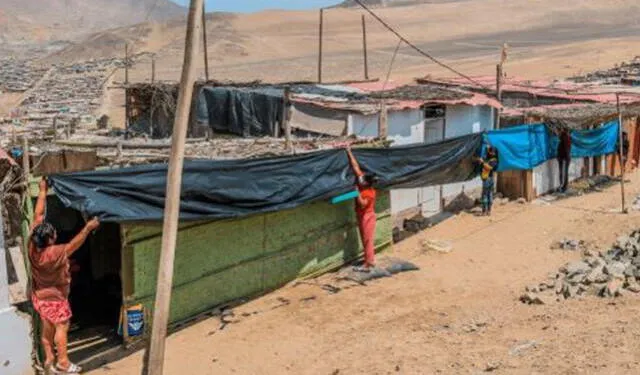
column 559, row 37
column 456, row 315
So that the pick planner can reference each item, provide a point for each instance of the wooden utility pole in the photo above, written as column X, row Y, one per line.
column 126, row 63
column 285, row 118
column 364, row 48
column 321, row 32
column 204, row 42
column 153, row 69
column 383, row 131
column 621, row 153
column 172, row 201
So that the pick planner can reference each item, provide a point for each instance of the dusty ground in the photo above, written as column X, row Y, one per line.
column 459, row 315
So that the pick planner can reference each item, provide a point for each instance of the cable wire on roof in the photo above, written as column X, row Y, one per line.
column 416, row 48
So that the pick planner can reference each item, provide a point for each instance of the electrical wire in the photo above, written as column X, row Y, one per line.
column 416, row 48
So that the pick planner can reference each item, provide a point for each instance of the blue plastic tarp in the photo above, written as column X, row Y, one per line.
column 525, row 147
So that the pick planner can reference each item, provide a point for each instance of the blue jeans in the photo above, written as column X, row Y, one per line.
column 487, row 195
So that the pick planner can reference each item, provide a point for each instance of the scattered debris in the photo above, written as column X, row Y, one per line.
column 569, row 244
column 524, row 347
column 607, row 274
column 492, row 366
column 437, row 246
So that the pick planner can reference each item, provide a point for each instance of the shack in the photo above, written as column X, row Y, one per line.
column 413, row 113
column 558, row 103
column 217, row 263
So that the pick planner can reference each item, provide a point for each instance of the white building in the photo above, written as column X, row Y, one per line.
column 415, row 114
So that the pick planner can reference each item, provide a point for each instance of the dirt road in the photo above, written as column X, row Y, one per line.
column 459, row 315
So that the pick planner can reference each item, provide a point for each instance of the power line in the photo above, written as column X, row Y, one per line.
column 416, row 48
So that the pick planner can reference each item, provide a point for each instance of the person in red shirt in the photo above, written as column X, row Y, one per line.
column 51, row 280
column 365, row 212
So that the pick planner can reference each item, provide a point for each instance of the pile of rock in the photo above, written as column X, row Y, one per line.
column 608, row 274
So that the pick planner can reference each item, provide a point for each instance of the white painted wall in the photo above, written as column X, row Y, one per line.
column 404, row 127
column 15, row 330
column 546, row 176
column 462, row 120
column 408, row 127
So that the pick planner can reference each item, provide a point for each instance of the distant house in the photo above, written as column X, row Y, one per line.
column 558, row 104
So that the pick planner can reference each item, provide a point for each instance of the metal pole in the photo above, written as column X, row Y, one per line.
column 204, row 42
column 160, row 320
column 285, row 118
column 364, row 48
column 320, row 45
column 620, row 153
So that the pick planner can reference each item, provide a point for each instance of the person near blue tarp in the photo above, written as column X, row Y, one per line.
column 624, row 151
column 564, row 158
column 489, row 164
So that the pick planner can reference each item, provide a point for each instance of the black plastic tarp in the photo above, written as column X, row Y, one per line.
column 247, row 112
column 231, row 189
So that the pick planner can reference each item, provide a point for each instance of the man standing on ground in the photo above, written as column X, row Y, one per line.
column 564, row 158
column 51, row 280
column 489, row 165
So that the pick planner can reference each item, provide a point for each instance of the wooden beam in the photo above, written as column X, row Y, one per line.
column 621, row 153
column 285, row 118
column 204, row 42
column 155, row 358
column 383, row 129
column 364, row 48
column 320, row 36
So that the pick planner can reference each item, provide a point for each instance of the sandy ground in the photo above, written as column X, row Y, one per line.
column 459, row 314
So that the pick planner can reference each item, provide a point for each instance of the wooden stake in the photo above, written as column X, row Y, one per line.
column 153, row 69
column 285, row 118
column 621, row 153
column 382, row 122
column 320, row 45
column 204, row 42
column 498, row 93
column 364, row 48
column 126, row 63
column 26, row 165
column 55, row 127
column 172, row 202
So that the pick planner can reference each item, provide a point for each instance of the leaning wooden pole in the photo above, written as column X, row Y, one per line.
column 172, row 201
column 320, row 37
column 364, row 48
column 204, row 42
column 621, row 153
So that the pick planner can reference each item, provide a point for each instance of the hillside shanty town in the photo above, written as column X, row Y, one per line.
column 319, row 187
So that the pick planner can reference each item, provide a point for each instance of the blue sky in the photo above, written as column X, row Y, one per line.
column 257, row 5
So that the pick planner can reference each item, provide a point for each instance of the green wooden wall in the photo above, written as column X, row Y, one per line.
column 223, row 261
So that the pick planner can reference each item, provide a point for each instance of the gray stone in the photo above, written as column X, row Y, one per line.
column 613, row 288
column 542, row 287
column 632, row 286
column 532, row 289
column 522, row 348
column 576, row 279
column 615, row 269
column 578, row 267
column 594, row 275
column 596, row 290
column 630, row 270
